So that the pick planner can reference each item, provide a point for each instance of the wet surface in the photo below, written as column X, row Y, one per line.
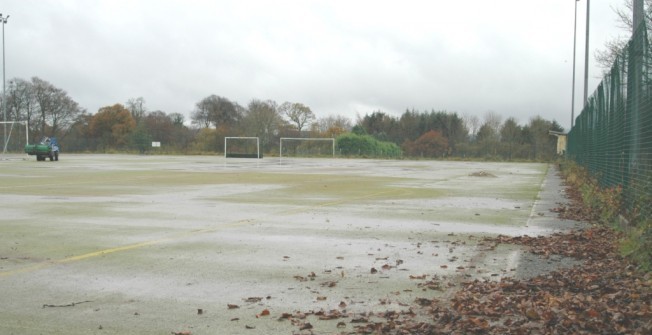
column 140, row 244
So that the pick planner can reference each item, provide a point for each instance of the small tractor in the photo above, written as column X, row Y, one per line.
column 49, row 147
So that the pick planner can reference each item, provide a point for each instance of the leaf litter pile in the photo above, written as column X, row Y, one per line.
column 605, row 294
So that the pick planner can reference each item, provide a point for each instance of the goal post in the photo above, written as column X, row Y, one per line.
column 310, row 150
column 15, row 135
column 241, row 147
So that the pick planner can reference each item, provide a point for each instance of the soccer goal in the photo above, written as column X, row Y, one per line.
column 242, row 147
column 14, row 136
column 306, row 147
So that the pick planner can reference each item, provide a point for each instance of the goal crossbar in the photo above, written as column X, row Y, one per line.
column 226, row 140
column 304, row 139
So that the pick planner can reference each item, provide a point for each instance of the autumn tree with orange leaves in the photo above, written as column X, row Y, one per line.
column 431, row 144
column 111, row 126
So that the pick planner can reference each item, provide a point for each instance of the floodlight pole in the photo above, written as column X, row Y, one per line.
column 574, row 52
column 639, row 14
column 636, row 89
column 4, row 96
column 586, row 55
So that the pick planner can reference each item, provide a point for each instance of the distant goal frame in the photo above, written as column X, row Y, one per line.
column 226, row 141
column 280, row 150
column 6, row 137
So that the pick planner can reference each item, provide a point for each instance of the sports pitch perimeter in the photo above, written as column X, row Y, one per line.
column 119, row 244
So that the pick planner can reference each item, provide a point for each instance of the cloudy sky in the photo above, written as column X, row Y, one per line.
column 350, row 58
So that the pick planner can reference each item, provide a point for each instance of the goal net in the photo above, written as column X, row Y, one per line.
column 14, row 136
column 242, row 147
column 306, row 147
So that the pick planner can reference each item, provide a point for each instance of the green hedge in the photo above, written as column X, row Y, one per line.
column 351, row 144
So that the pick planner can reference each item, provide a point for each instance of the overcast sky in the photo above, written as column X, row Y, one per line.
column 350, row 58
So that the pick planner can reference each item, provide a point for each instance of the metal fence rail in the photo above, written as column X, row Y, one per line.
column 612, row 137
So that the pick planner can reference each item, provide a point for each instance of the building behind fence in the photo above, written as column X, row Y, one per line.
column 612, row 137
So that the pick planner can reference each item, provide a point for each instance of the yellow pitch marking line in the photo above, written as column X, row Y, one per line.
column 82, row 257
column 178, row 236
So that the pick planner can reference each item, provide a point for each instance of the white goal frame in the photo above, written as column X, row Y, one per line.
column 226, row 141
column 280, row 151
column 6, row 137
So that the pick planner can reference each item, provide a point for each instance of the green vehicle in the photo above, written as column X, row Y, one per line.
column 48, row 148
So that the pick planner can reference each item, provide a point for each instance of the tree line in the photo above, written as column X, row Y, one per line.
column 131, row 127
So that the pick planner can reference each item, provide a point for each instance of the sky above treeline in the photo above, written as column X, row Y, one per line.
column 349, row 58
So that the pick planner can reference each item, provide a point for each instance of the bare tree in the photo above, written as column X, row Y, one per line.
column 298, row 113
column 137, row 107
column 215, row 110
column 472, row 123
column 20, row 100
column 263, row 120
column 493, row 120
column 200, row 117
column 160, row 126
column 612, row 48
column 333, row 125
column 56, row 110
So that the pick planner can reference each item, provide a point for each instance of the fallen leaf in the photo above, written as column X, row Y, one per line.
column 532, row 314
column 265, row 312
column 329, row 284
column 285, row 316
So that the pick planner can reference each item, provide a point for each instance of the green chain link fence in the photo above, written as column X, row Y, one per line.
column 612, row 137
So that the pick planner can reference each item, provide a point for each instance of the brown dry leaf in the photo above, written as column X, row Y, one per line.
column 285, row 316
column 329, row 284
column 602, row 293
column 306, row 326
column 479, row 322
column 232, row 306
column 532, row 314
column 593, row 313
